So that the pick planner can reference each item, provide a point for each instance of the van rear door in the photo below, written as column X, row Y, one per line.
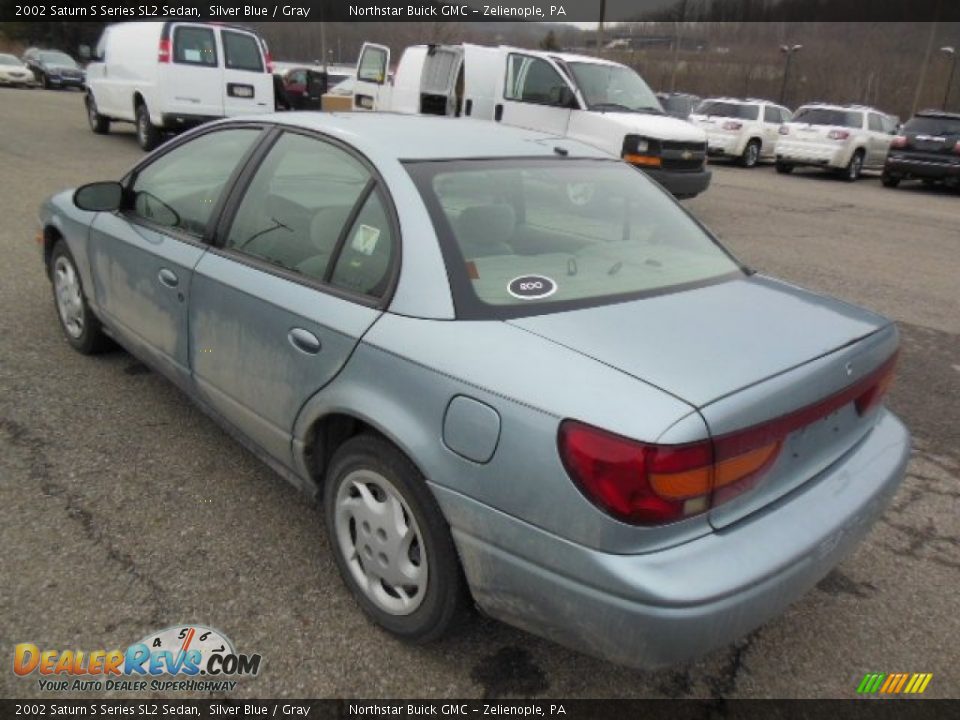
column 191, row 73
column 371, row 91
column 247, row 79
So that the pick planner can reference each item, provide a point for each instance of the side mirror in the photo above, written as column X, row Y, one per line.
column 99, row 196
column 84, row 51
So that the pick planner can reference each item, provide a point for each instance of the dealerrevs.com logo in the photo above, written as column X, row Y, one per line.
column 187, row 658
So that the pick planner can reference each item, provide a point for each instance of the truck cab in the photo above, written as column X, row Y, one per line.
column 596, row 101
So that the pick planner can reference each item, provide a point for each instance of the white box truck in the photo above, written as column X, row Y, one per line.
column 172, row 75
column 596, row 101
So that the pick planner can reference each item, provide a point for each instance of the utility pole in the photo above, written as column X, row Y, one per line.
column 678, row 35
column 787, row 50
column 603, row 12
column 926, row 59
column 952, row 51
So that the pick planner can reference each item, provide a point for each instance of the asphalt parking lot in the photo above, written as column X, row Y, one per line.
column 124, row 510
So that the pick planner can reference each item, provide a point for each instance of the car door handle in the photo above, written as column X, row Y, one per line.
column 168, row 277
column 304, row 341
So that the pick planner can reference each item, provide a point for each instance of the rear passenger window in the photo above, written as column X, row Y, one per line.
column 194, row 46
column 241, row 52
column 181, row 188
column 297, row 205
column 876, row 124
column 771, row 114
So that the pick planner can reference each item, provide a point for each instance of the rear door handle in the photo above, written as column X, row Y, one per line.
column 168, row 277
column 304, row 341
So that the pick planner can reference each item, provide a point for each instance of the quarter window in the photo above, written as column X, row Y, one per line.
column 533, row 80
column 363, row 264
column 876, row 124
column 194, row 46
column 241, row 52
column 181, row 188
column 771, row 114
column 295, row 209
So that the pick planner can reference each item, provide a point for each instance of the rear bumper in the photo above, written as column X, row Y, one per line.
column 60, row 81
column 672, row 605
column 725, row 145
column 912, row 167
column 681, row 184
column 810, row 153
column 181, row 121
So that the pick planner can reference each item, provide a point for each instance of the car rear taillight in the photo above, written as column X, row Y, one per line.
column 956, row 148
column 838, row 134
column 898, row 142
column 784, row 130
column 267, row 58
column 163, row 51
column 732, row 125
column 649, row 484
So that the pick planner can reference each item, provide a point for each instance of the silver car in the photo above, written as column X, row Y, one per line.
column 586, row 417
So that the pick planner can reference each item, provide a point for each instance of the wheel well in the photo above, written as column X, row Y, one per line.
column 50, row 237
column 755, row 139
column 138, row 101
column 326, row 435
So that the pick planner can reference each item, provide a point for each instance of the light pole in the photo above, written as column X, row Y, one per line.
column 952, row 51
column 787, row 50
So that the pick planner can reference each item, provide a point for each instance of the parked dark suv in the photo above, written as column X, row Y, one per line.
column 54, row 69
column 927, row 148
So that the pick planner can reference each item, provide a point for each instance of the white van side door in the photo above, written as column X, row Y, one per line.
column 192, row 80
column 371, row 91
column 247, row 83
column 536, row 95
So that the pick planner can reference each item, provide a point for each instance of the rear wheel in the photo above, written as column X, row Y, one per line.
column 751, row 154
column 391, row 544
column 80, row 326
column 98, row 123
column 890, row 181
column 852, row 172
column 783, row 168
column 148, row 134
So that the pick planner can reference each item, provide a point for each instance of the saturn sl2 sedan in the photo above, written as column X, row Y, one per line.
column 589, row 419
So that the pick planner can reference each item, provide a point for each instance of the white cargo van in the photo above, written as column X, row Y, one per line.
column 171, row 75
column 596, row 101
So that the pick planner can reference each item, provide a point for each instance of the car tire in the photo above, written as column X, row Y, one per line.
column 148, row 134
column 783, row 168
column 368, row 475
column 80, row 326
column 98, row 123
column 890, row 181
column 851, row 173
column 751, row 154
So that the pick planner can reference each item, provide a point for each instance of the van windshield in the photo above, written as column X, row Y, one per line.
column 525, row 236
column 614, row 87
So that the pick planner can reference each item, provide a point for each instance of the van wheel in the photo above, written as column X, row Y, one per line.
column 390, row 541
column 852, row 172
column 98, row 123
column 148, row 134
column 751, row 154
column 783, row 168
column 80, row 326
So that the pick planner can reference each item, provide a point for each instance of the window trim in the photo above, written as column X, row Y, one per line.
column 560, row 75
column 130, row 178
column 173, row 46
column 467, row 306
column 376, row 183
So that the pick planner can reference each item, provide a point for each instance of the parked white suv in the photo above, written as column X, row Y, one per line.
column 845, row 138
column 742, row 129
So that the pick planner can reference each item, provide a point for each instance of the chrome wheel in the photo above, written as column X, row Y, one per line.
column 856, row 163
column 66, row 285
column 92, row 113
column 381, row 542
column 752, row 155
column 143, row 131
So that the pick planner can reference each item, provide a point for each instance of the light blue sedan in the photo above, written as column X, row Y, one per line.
column 516, row 372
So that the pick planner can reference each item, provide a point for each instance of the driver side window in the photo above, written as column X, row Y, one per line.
column 181, row 188
column 533, row 80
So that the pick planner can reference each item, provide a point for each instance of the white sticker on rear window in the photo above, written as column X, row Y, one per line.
column 192, row 55
column 365, row 239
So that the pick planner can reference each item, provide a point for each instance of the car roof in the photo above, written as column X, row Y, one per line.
column 415, row 137
column 938, row 114
column 736, row 101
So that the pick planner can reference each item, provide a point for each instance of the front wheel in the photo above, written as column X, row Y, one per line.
column 148, row 134
column 390, row 541
column 80, row 326
column 98, row 123
column 750, row 154
column 852, row 172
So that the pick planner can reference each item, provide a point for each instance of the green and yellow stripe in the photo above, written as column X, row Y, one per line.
column 894, row 683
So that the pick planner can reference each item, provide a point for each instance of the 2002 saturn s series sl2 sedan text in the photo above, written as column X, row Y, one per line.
column 584, row 415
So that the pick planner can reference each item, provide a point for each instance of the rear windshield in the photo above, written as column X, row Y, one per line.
column 825, row 116
column 727, row 109
column 933, row 126
column 241, row 52
column 528, row 236
column 58, row 58
column 677, row 103
column 8, row 60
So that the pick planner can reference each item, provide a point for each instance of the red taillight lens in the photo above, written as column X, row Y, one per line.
column 163, row 51
column 267, row 58
column 732, row 125
column 838, row 134
column 898, row 142
column 647, row 484
column 784, row 130
column 956, row 148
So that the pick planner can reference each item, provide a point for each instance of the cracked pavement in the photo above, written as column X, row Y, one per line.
column 123, row 509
